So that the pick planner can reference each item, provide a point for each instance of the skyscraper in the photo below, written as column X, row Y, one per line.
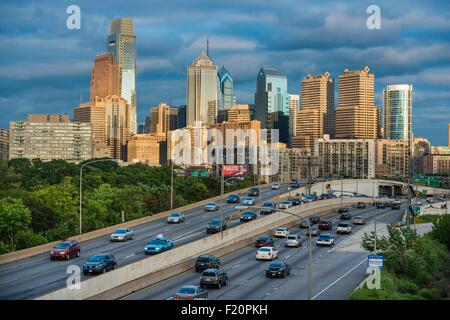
column 104, row 77
column 226, row 97
column 316, row 116
column 202, row 87
column 122, row 43
column 163, row 118
column 294, row 102
column 4, row 144
column 397, row 103
column 271, row 95
column 356, row 114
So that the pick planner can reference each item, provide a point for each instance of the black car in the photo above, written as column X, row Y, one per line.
column 214, row 277
column 278, row 269
column 380, row 205
column 206, row 262
column 314, row 219
column 233, row 198
column 342, row 210
column 253, row 192
column 295, row 184
column 325, row 196
column 387, row 204
column 264, row 241
column 325, row 225
column 296, row 201
column 214, row 226
column 268, row 208
column 395, row 206
column 99, row 263
column 248, row 216
column 360, row 205
column 346, row 216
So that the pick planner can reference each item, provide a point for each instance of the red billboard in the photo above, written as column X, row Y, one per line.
column 234, row 170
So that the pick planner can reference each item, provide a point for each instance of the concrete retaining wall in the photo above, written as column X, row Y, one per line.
column 183, row 255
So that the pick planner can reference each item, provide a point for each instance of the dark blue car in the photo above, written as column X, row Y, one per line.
column 233, row 199
column 99, row 263
column 248, row 216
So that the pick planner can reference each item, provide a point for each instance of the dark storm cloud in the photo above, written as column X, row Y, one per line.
column 44, row 67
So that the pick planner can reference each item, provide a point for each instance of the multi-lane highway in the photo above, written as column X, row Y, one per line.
column 335, row 273
column 37, row 275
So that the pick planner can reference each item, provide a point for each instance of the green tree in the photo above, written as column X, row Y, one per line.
column 14, row 218
column 9, row 178
column 441, row 230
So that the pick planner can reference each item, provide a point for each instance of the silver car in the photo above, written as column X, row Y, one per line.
column 122, row 234
column 249, row 201
column 190, row 293
column 285, row 205
column 293, row 240
column 211, row 206
column 176, row 217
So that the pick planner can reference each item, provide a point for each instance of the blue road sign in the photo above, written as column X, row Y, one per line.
column 374, row 261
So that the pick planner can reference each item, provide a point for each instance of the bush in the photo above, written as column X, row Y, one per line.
column 429, row 294
column 441, row 230
column 28, row 238
column 406, row 286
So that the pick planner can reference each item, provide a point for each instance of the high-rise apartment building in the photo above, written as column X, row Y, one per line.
column 144, row 148
column 448, row 133
column 294, row 103
column 397, row 107
column 4, row 144
column 239, row 112
column 392, row 159
column 226, row 99
column 105, row 77
column 202, row 91
column 44, row 137
column 163, row 118
column 356, row 115
column 110, row 119
column 437, row 164
column 122, row 43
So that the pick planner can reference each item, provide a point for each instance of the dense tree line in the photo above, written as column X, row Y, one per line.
column 39, row 201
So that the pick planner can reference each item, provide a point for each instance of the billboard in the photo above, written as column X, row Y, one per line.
column 234, row 170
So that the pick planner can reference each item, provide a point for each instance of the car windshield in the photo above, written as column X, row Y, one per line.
column 156, row 241
column 187, row 290
column 62, row 245
column 276, row 265
column 203, row 259
column 120, row 231
column 281, row 229
column 324, row 237
column 285, row 202
column 323, row 222
column 248, row 213
column 96, row 258
column 267, row 204
column 208, row 274
column 211, row 204
column 263, row 239
column 264, row 250
column 314, row 228
column 343, row 225
column 251, row 199
column 175, row 215
column 214, row 222
column 358, row 218
column 292, row 237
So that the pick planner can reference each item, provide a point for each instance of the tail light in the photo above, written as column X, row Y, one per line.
column 189, row 297
column 177, row 296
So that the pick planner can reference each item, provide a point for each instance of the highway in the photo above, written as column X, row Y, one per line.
column 37, row 275
column 335, row 273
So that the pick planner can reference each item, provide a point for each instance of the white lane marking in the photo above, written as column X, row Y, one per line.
column 236, row 266
column 184, row 234
column 339, row 279
column 187, row 222
column 170, row 298
column 192, row 235
column 129, row 256
column 287, row 257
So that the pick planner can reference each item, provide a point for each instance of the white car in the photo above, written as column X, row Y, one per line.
column 285, row 205
column 325, row 240
column 122, row 234
column 281, row 232
column 175, row 217
column 293, row 240
column 275, row 186
column 249, row 201
column 211, row 206
column 344, row 228
column 266, row 253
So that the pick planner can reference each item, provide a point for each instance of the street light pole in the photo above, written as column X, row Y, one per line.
column 222, row 187
column 171, row 189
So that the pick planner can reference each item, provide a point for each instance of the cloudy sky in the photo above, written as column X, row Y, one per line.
column 45, row 67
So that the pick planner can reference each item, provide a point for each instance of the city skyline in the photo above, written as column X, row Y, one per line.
column 415, row 53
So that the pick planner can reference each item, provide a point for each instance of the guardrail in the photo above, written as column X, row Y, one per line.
column 138, row 275
column 26, row 253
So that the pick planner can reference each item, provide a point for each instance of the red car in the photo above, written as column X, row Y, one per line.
column 65, row 250
column 325, row 225
column 264, row 241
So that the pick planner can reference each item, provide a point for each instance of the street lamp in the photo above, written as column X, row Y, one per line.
column 81, row 185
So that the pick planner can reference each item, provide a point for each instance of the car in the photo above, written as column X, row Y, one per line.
column 296, row 201
column 342, row 210
column 176, row 217
column 325, row 196
column 264, row 241
column 360, row 205
column 303, row 224
column 214, row 226
column 344, row 228
column 266, row 253
column 315, row 231
column 65, row 250
column 99, row 263
column 293, row 240
column 206, row 262
column 359, row 220
column 214, row 277
column 247, row 216
column 387, row 204
column 310, row 198
column 122, row 234
column 190, row 293
column 253, row 192
column 325, row 240
column 418, row 202
column 345, row 216
column 380, row 205
column 158, row 245
column 233, row 198
column 295, row 184
column 325, row 225
column 249, row 201
column 268, row 208
column 211, row 206
column 281, row 232
column 285, row 205
column 311, row 180
column 275, row 186
column 395, row 206
column 278, row 269
column 314, row 219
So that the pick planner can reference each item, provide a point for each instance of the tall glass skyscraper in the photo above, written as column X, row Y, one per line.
column 397, row 102
column 122, row 43
column 226, row 97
